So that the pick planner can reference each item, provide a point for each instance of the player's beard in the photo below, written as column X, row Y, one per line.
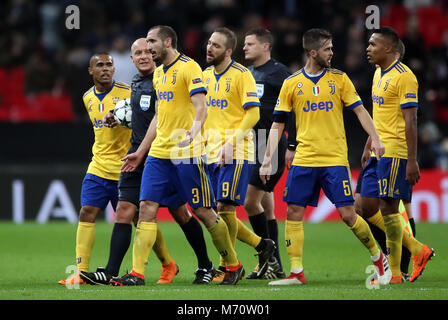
column 217, row 60
column 322, row 62
column 161, row 57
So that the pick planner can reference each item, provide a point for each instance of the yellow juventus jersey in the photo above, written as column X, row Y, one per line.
column 111, row 144
column 174, row 85
column 318, row 103
column 392, row 90
column 229, row 94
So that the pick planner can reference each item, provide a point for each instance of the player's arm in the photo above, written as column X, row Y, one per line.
column 367, row 123
column 249, row 120
column 407, row 92
column 198, row 100
column 275, row 134
column 133, row 160
column 366, row 152
column 292, row 142
column 412, row 168
column 109, row 120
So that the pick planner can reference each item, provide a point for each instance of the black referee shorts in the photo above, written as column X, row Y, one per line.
column 129, row 185
column 280, row 155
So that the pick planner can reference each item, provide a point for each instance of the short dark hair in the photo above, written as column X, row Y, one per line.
column 97, row 54
column 230, row 36
column 165, row 32
column 262, row 35
column 314, row 38
column 390, row 34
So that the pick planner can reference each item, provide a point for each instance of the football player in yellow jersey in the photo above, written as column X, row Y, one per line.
column 405, row 208
column 233, row 110
column 317, row 95
column 386, row 181
column 100, row 185
column 175, row 171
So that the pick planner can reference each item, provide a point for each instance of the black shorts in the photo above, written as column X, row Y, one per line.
column 129, row 184
column 279, row 167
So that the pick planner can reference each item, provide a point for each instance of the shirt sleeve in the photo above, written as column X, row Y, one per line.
column 284, row 102
column 407, row 88
column 349, row 95
column 194, row 79
column 248, row 87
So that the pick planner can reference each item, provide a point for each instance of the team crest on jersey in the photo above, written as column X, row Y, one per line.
column 115, row 100
column 228, row 80
column 145, row 102
column 316, row 90
column 332, row 86
column 101, row 107
column 260, row 90
column 174, row 77
column 386, row 84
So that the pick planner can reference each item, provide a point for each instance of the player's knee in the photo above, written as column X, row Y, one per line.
column 125, row 212
column 181, row 215
column 295, row 213
column 148, row 211
column 88, row 214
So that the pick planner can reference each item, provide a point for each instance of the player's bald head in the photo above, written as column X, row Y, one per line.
column 139, row 43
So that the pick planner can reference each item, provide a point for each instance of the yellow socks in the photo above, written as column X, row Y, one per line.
column 294, row 237
column 145, row 237
column 412, row 244
column 85, row 237
column 364, row 234
column 220, row 237
column 161, row 250
column 246, row 235
column 394, row 236
column 230, row 219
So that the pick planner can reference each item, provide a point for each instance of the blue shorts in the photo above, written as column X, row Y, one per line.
column 97, row 192
column 386, row 178
column 230, row 182
column 171, row 183
column 303, row 186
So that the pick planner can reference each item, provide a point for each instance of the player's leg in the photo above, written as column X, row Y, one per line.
column 195, row 237
column 268, row 203
column 95, row 195
column 195, row 187
column 119, row 244
column 304, row 178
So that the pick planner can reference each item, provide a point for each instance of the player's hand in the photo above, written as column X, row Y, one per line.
column 265, row 171
column 412, row 172
column 225, row 155
column 109, row 120
column 186, row 142
column 365, row 157
column 378, row 148
column 131, row 162
column 289, row 157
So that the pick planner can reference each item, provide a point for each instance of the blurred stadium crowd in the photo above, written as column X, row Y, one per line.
column 43, row 65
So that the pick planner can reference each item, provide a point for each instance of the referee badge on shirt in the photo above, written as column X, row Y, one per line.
column 145, row 102
column 260, row 90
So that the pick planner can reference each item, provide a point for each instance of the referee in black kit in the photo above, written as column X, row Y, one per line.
column 269, row 75
column 143, row 104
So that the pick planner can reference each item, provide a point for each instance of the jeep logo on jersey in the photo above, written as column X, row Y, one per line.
column 165, row 95
column 377, row 99
column 220, row 103
column 145, row 102
column 323, row 105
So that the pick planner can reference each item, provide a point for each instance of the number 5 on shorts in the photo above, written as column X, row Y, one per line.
column 347, row 189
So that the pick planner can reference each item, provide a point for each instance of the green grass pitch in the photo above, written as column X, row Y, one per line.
column 34, row 257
